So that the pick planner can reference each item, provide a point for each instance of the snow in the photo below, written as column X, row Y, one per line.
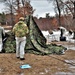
column 56, row 35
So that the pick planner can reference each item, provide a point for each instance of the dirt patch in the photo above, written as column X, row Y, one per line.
column 40, row 65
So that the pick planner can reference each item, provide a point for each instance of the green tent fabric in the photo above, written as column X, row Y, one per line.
column 36, row 42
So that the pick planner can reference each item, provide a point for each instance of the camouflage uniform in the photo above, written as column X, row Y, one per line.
column 20, row 30
column 2, row 33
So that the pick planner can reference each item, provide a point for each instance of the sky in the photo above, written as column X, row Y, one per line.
column 41, row 8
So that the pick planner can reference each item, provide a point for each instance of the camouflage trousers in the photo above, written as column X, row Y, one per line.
column 20, row 45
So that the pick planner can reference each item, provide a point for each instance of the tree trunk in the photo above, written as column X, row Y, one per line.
column 74, row 20
column 74, row 11
column 59, row 11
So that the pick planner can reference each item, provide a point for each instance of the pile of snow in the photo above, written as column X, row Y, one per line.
column 45, row 33
column 56, row 35
column 51, row 37
column 7, row 31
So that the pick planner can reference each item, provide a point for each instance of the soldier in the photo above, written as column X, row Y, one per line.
column 20, row 30
column 2, row 35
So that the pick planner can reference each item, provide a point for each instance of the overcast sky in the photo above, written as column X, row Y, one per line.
column 42, row 7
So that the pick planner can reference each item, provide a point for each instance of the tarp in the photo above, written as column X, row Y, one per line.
column 36, row 42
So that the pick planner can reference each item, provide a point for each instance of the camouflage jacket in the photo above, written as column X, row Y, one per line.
column 20, row 29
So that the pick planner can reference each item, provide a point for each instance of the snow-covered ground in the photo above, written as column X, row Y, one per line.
column 7, row 30
column 56, row 36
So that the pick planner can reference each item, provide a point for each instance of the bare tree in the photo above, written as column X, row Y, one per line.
column 57, row 4
column 20, row 7
column 74, row 10
column 10, row 9
column 59, row 11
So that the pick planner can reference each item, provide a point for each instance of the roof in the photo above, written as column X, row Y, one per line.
column 46, row 23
